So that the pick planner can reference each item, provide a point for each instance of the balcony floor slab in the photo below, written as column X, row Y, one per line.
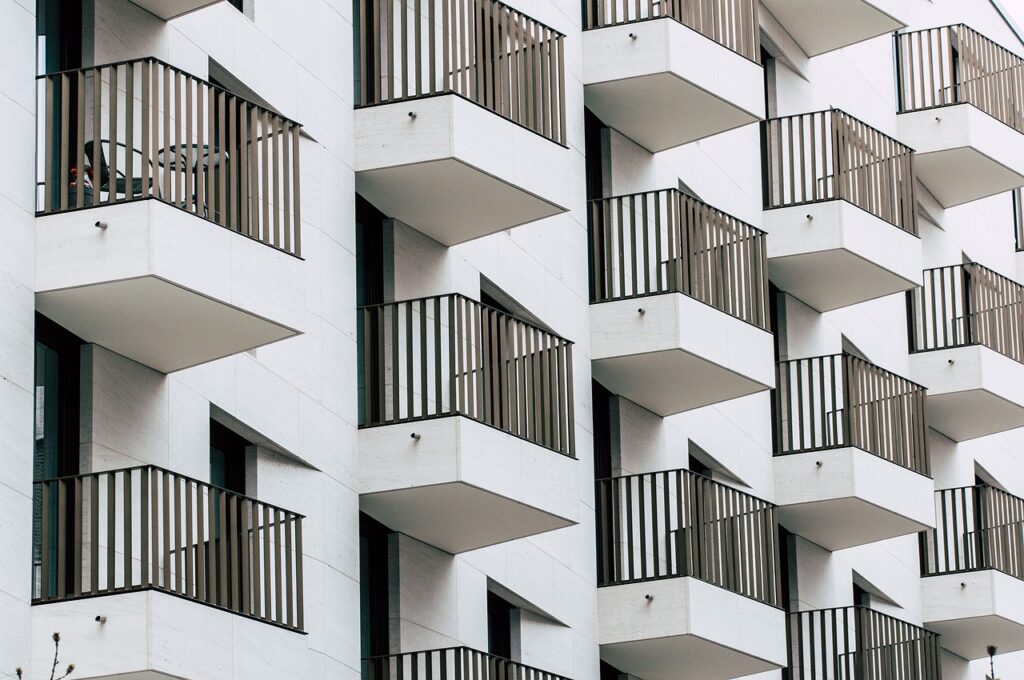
column 973, row 610
column 820, row 26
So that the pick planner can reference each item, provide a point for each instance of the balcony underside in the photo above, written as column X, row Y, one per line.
column 974, row 610
column 670, row 85
column 822, row 26
column 169, row 9
column 972, row 391
column 963, row 154
column 834, row 254
column 163, row 287
column 456, row 171
column 679, row 354
column 462, row 485
column 841, row 498
column 690, row 630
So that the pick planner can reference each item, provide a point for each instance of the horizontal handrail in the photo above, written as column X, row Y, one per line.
column 665, row 241
column 841, row 400
column 967, row 304
column 483, row 50
column 462, row 663
column 859, row 643
column 145, row 527
column 142, row 129
column 830, row 155
column 956, row 65
column 450, row 355
column 677, row 523
column 734, row 24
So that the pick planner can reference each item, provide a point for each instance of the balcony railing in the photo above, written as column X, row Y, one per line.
column 731, row 23
column 967, row 304
column 841, row 400
column 830, row 155
column 482, row 50
column 143, row 129
column 977, row 527
column 449, row 355
column 957, row 65
column 668, row 242
column 858, row 643
column 147, row 528
column 452, row 663
column 676, row 523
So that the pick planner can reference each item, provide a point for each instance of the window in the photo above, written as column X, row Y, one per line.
column 602, row 400
column 374, row 567
column 499, row 626
column 227, row 458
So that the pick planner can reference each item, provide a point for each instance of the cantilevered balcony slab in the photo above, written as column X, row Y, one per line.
column 663, row 84
column 820, row 26
column 686, row 629
column 455, row 170
column 671, row 353
column 169, row 9
column 840, row 498
column 461, row 485
column 162, row 286
column 973, row 391
column 963, row 153
column 834, row 254
column 975, row 609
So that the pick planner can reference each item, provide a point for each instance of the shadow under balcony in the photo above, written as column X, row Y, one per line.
column 958, row 108
column 168, row 222
column 664, row 76
column 819, row 27
column 170, row 9
column 466, row 141
column 851, row 454
column 160, row 556
column 688, row 576
column 462, row 663
column 840, row 210
column 468, row 434
column 859, row 642
column 679, row 314
column 972, row 567
column 966, row 328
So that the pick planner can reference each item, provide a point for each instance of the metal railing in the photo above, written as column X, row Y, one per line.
column 144, row 129
column 957, row 65
column 666, row 241
column 841, row 400
column 482, row 50
column 858, row 643
column 148, row 528
column 977, row 527
column 452, row 663
column 967, row 304
column 450, row 355
column 830, row 155
column 1018, row 219
column 677, row 523
column 731, row 23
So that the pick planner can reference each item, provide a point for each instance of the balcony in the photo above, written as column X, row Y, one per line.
column 665, row 74
column 851, row 452
column 454, row 662
column 858, row 642
column 688, row 576
column 467, row 432
column 839, row 210
column 961, row 106
column 169, row 9
column 820, row 28
column 166, row 205
column 967, row 345
column 973, row 571
column 679, row 313
column 464, row 101
column 146, row 547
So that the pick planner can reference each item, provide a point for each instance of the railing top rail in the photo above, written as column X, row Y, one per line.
column 833, row 109
column 186, row 478
column 867, row 610
column 677, row 192
column 853, row 357
column 965, row 27
column 463, row 648
column 692, row 475
column 161, row 62
column 462, row 296
column 975, row 265
column 979, row 487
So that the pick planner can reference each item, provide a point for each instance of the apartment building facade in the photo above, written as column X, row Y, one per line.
column 534, row 340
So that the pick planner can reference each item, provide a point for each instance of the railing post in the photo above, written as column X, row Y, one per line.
column 860, row 617
column 847, row 417
column 981, row 508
